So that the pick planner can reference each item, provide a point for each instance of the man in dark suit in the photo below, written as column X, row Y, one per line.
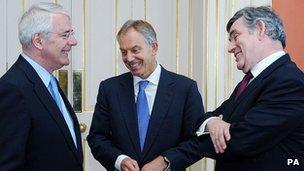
column 122, row 136
column 261, row 126
column 39, row 129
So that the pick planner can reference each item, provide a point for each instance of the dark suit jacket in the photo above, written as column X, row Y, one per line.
column 267, row 123
column 34, row 135
column 176, row 114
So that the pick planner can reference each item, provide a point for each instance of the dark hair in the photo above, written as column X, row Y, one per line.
column 142, row 27
column 273, row 24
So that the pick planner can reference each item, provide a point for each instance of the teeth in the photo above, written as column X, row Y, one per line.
column 134, row 64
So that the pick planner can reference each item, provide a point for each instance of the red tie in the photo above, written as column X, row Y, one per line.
column 243, row 84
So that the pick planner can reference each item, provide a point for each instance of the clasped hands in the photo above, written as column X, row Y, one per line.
column 219, row 133
column 158, row 164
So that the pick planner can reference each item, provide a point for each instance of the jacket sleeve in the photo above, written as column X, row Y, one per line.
column 99, row 137
column 193, row 117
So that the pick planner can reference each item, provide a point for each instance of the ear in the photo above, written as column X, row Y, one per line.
column 37, row 41
column 261, row 28
column 154, row 48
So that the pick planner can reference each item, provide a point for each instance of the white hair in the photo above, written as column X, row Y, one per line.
column 37, row 19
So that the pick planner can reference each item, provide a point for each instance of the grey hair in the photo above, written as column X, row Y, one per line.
column 252, row 15
column 37, row 19
column 142, row 27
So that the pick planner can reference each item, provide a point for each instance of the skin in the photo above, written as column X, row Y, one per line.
column 51, row 52
column 243, row 44
column 137, row 55
column 129, row 164
column 158, row 164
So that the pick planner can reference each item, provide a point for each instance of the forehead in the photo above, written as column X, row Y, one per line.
column 61, row 22
column 237, row 27
column 131, row 38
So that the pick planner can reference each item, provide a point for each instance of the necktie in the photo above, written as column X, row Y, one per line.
column 243, row 84
column 53, row 88
column 142, row 112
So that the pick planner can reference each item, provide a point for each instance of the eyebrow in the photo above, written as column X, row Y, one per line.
column 68, row 31
column 134, row 47
column 231, row 33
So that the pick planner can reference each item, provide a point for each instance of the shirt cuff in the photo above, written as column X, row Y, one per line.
column 119, row 160
column 202, row 129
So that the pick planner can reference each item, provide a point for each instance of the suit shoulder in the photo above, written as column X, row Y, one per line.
column 180, row 78
column 116, row 79
column 14, row 76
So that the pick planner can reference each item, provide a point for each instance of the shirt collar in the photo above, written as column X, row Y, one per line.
column 153, row 78
column 43, row 73
column 263, row 64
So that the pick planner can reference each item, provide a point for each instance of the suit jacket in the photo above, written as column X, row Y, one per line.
column 267, row 123
column 34, row 135
column 176, row 114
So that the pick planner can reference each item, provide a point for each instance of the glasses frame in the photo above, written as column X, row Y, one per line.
column 65, row 35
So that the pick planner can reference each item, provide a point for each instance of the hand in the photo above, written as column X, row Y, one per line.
column 158, row 164
column 129, row 164
column 219, row 133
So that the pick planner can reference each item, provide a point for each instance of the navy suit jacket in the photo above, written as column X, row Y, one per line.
column 267, row 123
column 34, row 135
column 176, row 114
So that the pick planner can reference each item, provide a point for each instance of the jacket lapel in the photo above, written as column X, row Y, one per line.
column 161, row 106
column 76, row 126
column 253, row 85
column 128, row 109
column 50, row 105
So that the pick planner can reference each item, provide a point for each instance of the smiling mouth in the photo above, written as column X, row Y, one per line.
column 134, row 65
column 65, row 51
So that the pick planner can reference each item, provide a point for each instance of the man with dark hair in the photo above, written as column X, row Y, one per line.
column 261, row 126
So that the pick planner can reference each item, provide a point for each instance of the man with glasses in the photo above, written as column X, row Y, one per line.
column 39, row 129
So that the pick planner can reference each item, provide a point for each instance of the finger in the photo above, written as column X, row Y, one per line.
column 217, row 141
column 220, row 142
column 227, row 134
column 212, row 136
column 135, row 165
column 221, row 116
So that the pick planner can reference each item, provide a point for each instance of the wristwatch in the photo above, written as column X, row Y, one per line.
column 166, row 160
column 168, row 164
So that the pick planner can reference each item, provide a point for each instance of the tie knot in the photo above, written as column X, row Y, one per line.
column 248, row 76
column 143, row 85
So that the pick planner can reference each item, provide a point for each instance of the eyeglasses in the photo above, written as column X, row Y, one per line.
column 65, row 35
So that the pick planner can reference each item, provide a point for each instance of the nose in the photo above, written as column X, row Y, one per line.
column 129, row 57
column 231, row 46
column 72, row 40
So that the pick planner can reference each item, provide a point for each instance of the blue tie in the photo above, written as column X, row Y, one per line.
column 54, row 92
column 53, row 88
column 142, row 112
